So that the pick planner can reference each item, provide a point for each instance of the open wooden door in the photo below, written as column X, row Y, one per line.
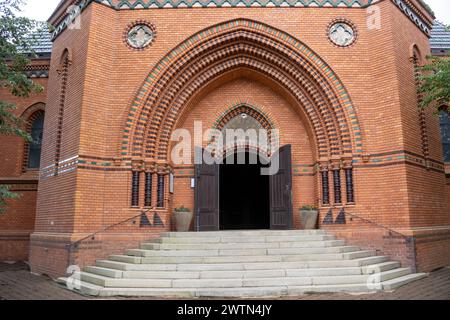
column 281, row 192
column 207, row 197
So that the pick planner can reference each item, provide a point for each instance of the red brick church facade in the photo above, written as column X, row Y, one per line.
column 123, row 75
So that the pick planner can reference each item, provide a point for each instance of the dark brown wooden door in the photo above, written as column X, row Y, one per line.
column 281, row 192
column 207, row 197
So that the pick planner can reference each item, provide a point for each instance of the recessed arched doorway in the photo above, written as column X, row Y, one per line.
column 243, row 193
column 237, row 196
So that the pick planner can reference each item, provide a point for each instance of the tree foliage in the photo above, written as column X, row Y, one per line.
column 435, row 83
column 17, row 36
column 6, row 194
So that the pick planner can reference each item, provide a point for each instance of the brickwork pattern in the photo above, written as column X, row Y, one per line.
column 120, row 107
column 17, row 223
column 171, row 84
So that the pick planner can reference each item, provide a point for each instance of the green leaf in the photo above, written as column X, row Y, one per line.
column 434, row 83
column 17, row 37
column 5, row 194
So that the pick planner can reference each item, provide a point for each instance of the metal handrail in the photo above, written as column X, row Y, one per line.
column 409, row 240
column 92, row 235
column 378, row 225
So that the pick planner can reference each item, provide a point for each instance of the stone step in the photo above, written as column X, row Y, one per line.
column 120, row 263
column 391, row 274
column 238, row 252
column 256, row 258
column 105, row 272
column 243, row 233
column 236, row 239
column 294, row 291
column 287, row 251
column 259, row 292
column 239, row 283
column 312, row 272
column 261, row 273
column 359, row 254
column 82, row 287
column 126, row 259
column 121, row 266
column 269, row 273
column 380, row 267
column 366, row 261
column 185, row 281
column 243, row 245
column 290, row 281
column 206, row 260
column 358, row 279
column 125, row 283
column 396, row 283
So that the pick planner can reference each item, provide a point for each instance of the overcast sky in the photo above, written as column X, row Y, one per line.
column 41, row 10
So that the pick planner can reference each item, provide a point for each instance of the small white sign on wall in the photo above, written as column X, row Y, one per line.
column 193, row 183
column 171, row 183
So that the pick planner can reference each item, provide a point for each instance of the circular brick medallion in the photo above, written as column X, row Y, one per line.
column 140, row 35
column 342, row 34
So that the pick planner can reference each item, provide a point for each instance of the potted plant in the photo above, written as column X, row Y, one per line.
column 183, row 218
column 309, row 217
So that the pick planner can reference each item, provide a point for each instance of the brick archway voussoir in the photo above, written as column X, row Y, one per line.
column 158, row 87
column 196, row 85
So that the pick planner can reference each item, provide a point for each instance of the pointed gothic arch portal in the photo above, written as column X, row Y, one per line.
column 314, row 91
column 241, row 44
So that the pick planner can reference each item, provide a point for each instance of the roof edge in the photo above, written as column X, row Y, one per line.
column 417, row 10
column 422, row 9
column 60, row 11
column 427, row 8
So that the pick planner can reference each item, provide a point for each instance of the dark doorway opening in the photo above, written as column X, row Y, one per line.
column 244, row 196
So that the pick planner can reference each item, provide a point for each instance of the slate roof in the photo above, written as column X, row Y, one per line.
column 440, row 39
column 41, row 43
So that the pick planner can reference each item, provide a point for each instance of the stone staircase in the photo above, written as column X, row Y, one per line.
column 259, row 263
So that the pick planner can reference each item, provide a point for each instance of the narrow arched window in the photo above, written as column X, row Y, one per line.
column 35, row 146
column 444, row 117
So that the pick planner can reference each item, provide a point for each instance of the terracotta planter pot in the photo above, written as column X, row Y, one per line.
column 183, row 221
column 309, row 219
